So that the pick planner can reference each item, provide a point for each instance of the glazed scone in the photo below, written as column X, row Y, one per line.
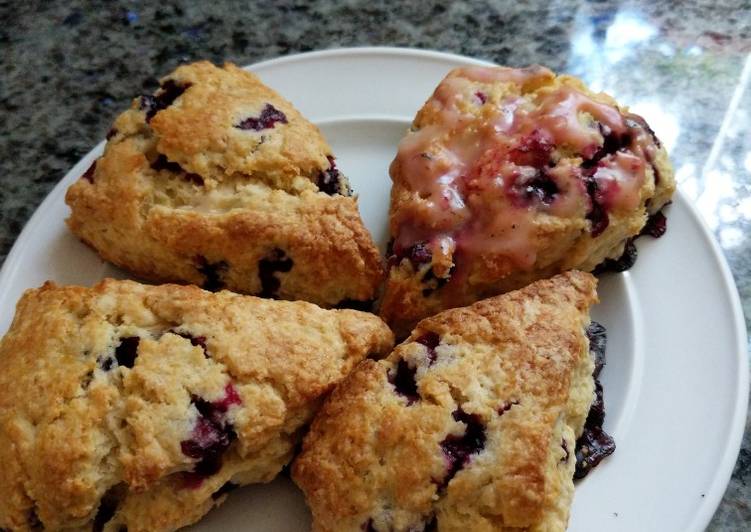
column 470, row 424
column 512, row 175
column 218, row 181
column 134, row 407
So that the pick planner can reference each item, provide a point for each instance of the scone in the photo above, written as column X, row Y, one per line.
column 470, row 424
column 133, row 407
column 216, row 180
column 512, row 175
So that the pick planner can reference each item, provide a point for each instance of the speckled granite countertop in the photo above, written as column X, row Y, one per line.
column 69, row 67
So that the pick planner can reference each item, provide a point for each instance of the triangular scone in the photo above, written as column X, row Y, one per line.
column 218, row 181
column 470, row 424
column 126, row 406
column 512, row 175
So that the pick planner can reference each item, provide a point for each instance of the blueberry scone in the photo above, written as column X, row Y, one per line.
column 470, row 424
column 134, row 407
column 216, row 180
column 512, row 175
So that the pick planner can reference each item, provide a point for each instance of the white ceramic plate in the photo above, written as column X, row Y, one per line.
column 676, row 380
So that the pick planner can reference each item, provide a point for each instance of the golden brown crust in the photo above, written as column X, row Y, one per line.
column 552, row 238
column 517, row 366
column 187, row 196
column 78, row 421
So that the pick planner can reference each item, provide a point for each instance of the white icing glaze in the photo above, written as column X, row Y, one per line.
column 478, row 178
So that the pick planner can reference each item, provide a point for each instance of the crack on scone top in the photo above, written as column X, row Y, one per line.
column 162, row 163
column 199, row 341
column 275, row 262
column 213, row 272
column 108, row 506
column 168, row 92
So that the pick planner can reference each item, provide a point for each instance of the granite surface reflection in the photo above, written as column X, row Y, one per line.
column 69, row 67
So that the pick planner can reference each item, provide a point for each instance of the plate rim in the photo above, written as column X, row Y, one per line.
column 716, row 490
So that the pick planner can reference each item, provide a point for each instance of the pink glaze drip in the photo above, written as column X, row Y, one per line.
column 481, row 179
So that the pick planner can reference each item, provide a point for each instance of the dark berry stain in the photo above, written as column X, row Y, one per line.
column 506, row 406
column 127, row 351
column 430, row 340
column 594, row 444
column 656, row 225
column 330, row 180
column 564, row 446
column 213, row 273
column 540, row 188
column 459, row 449
column 276, row 261
column 482, row 97
column 227, row 487
column 598, row 338
column 403, row 380
column 596, row 416
column 268, row 118
column 106, row 363
column 635, row 121
column 169, row 91
column 534, row 150
column 211, row 436
column 622, row 263
column 417, row 254
column 597, row 215
column 88, row 175
column 611, row 144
